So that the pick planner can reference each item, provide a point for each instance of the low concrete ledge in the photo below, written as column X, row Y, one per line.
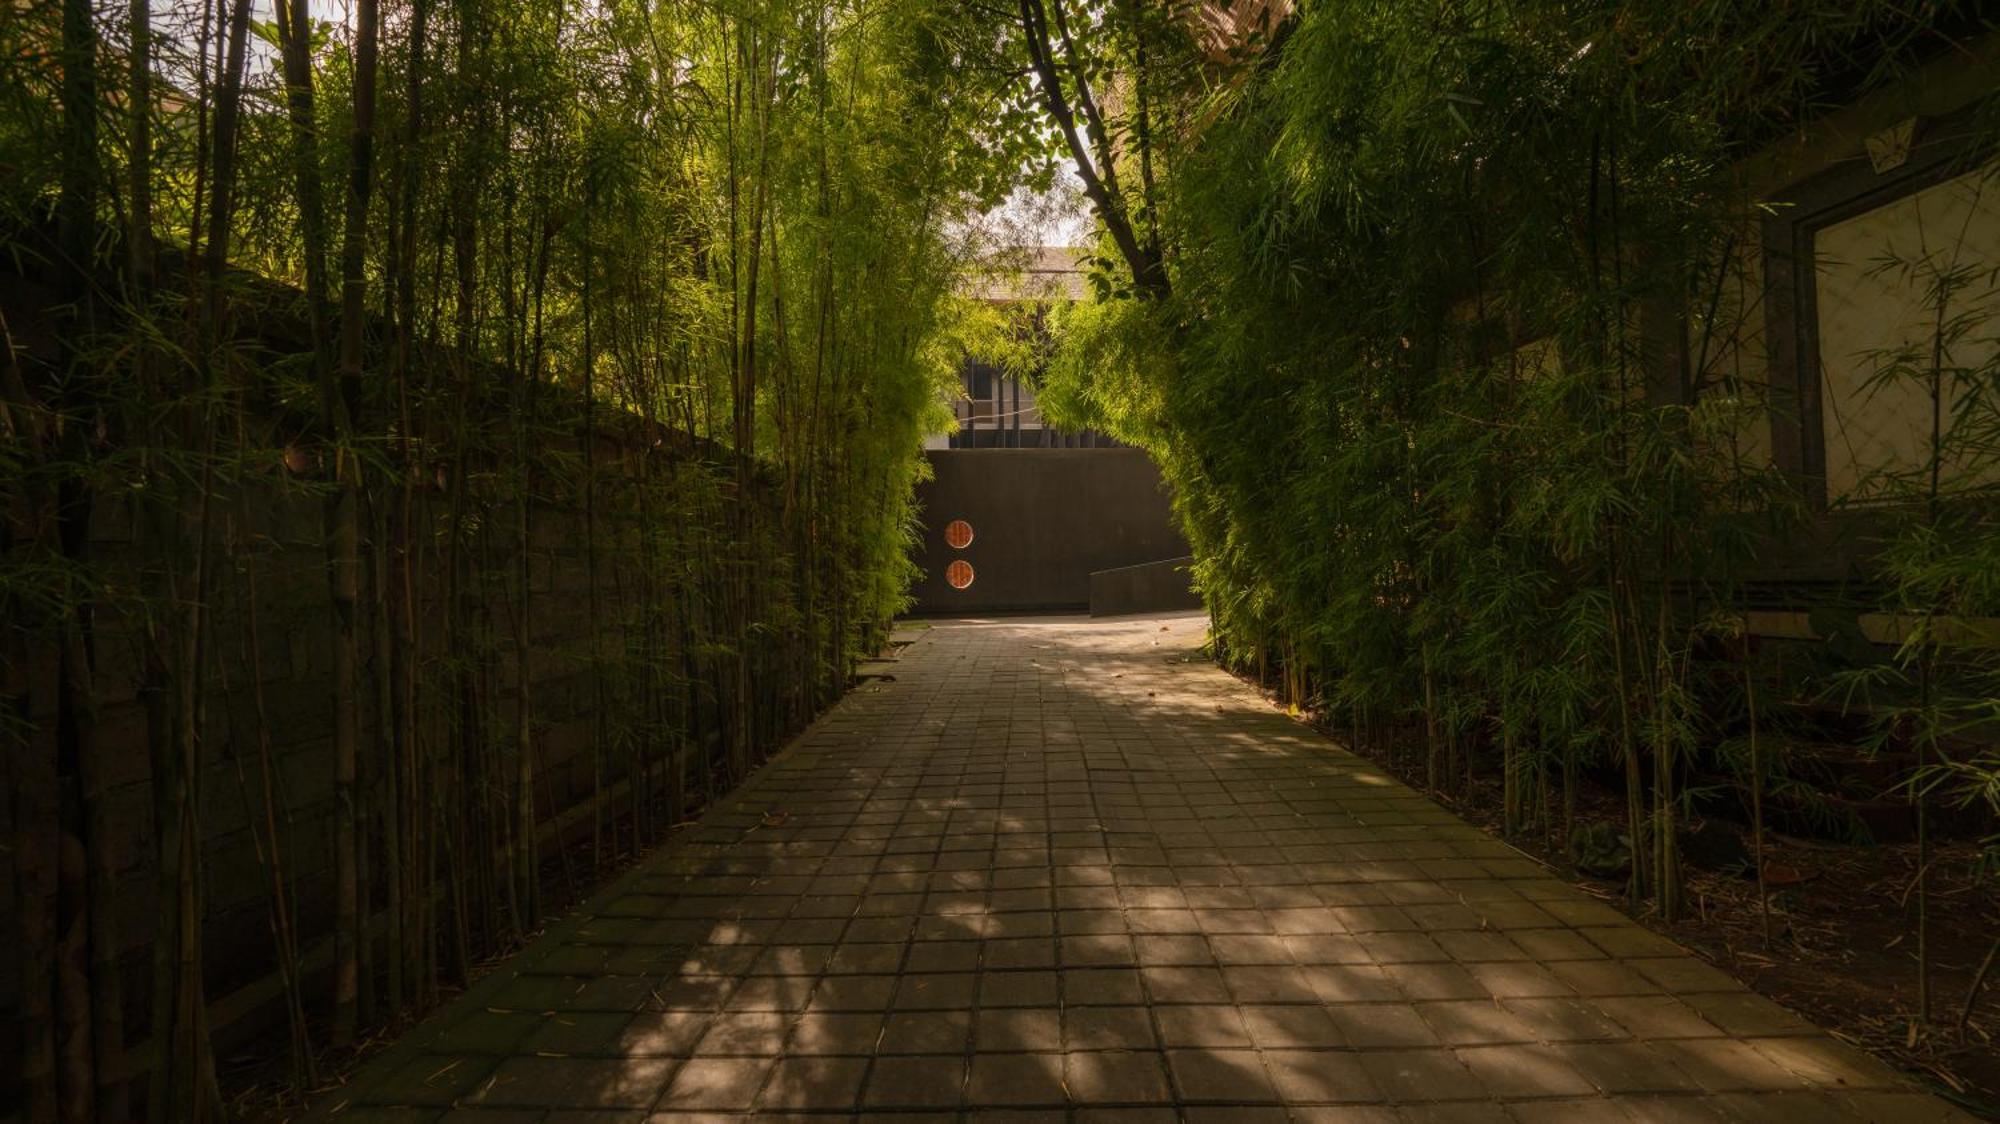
column 1149, row 587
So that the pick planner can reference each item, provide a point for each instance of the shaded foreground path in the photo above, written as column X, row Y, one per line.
column 1059, row 869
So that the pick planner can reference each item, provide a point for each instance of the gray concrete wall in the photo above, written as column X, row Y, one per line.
column 1042, row 521
column 1150, row 587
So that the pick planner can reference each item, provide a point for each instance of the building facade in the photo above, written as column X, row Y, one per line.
column 1020, row 515
column 995, row 408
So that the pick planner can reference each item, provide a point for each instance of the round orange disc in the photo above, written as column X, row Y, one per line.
column 959, row 574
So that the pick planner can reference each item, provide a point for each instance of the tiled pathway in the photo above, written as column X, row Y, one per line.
column 1059, row 870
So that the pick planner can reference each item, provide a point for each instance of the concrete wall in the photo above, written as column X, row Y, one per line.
column 1150, row 587
column 1042, row 520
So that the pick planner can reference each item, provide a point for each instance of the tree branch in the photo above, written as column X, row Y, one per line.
column 1147, row 273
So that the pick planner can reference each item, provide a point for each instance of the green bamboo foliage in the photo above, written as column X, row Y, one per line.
column 458, row 362
column 1447, row 377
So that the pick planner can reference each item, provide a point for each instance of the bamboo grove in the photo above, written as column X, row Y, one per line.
column 444, row 444
column 1441, row 321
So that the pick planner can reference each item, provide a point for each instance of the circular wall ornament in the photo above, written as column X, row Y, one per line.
column 958, row 534
column 959, row 574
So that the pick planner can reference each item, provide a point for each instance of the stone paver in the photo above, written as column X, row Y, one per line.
column 1065, row 870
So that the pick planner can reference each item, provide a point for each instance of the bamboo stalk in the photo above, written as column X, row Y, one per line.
column 1757, row 802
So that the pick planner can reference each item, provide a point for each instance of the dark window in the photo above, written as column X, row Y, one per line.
column 979, row 379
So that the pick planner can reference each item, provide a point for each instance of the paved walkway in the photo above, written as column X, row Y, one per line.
column 1060, row 869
